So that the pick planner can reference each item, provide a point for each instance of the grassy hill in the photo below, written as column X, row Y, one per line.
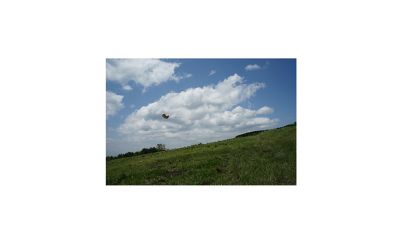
column 264, row 158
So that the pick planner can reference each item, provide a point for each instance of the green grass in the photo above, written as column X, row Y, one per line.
column 267, row 158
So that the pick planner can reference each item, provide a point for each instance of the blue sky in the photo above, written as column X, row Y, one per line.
column 232, row 96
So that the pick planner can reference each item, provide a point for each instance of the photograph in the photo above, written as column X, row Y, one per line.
column 201, row 121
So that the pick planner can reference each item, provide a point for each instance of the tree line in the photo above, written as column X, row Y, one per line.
column 257, row 132
column 160, row 147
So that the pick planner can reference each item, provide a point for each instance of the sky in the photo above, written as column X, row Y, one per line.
column 207, row 99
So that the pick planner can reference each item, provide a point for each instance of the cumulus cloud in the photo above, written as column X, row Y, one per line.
column 146, row 72
column 114, row 103
column 252, row 67
column 212, row 72
column 200, row 114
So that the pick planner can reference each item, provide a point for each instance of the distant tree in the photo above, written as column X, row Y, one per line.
column 161, row 147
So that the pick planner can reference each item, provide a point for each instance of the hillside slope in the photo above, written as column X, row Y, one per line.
column 266, row 158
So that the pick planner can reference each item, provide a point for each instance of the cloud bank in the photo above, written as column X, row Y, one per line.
column 146, row 72
column 202, row 114
column 113, row 103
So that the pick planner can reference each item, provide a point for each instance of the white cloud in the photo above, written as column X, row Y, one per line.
column 264, row 110
column 146, row 72
column 200, row 114
column 114, row 103
column 126, row 87
column 252, row 67
column 212, row 72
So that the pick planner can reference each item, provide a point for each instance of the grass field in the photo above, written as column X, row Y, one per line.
column 266, row 158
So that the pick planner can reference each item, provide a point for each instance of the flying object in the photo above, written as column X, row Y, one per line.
column 165, row 116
